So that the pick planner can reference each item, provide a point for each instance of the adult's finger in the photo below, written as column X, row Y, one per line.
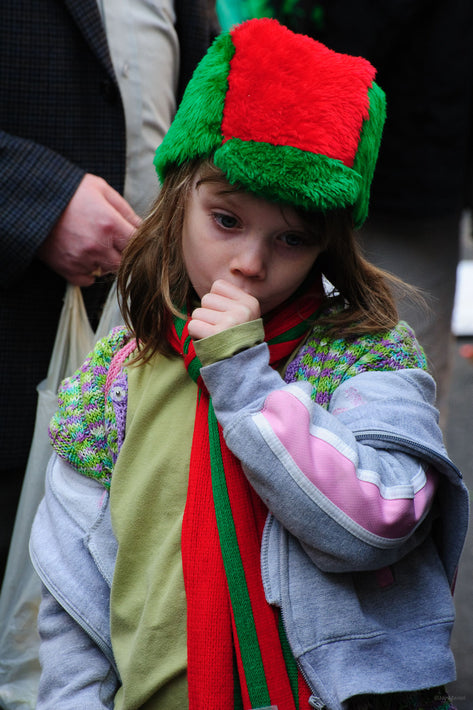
column 121, row 205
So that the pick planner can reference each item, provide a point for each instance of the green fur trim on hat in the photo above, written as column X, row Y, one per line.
column 289, row 175
column 281, row 172
column 196, row 130
column 368, row 149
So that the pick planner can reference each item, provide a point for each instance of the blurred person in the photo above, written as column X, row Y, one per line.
column 87, row 90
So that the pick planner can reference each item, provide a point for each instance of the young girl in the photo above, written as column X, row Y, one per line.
column 250, row 505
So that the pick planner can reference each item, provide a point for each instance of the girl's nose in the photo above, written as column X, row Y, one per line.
column 250, row 262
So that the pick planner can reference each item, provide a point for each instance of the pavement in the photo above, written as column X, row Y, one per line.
column 459, row 440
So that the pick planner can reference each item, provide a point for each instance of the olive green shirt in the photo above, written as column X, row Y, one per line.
column 148, row 605
column 147, row 499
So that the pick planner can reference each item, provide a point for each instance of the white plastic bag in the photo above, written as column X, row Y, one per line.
column 21, row 590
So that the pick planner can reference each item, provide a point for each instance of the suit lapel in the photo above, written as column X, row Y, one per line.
column 88, row 19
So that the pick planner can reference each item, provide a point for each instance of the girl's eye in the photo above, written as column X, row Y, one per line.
column 292, row 239
column 225, row 220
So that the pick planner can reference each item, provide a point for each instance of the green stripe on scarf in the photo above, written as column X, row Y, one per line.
column 240, row 598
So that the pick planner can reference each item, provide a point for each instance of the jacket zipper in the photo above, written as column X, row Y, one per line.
column 98, row 640
column 411, row 444
column 314, row 700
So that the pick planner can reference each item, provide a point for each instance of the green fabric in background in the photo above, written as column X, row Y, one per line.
column 306, row 16
column 231, row 12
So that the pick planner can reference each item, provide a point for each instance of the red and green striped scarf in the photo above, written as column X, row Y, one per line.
column 238, row 655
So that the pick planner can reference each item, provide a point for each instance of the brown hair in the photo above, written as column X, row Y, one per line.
column 153, row 284
column 152, row 281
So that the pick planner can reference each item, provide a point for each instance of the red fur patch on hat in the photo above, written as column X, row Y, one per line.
column 288, row 89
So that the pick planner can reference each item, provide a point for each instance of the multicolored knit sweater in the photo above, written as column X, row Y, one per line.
column 89, row 426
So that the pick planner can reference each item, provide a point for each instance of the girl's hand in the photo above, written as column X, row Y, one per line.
column 224, row 307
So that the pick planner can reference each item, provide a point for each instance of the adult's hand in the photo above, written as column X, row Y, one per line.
column 91, row 233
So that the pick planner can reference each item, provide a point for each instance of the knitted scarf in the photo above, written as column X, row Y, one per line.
column 238, row 655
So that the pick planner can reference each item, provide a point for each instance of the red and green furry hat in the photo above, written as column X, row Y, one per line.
column 283, row 116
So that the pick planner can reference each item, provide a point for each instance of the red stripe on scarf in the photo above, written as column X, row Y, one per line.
column 248, row 507
column 212, row 635
column 209, row 633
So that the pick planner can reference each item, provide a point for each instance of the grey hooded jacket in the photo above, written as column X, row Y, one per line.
column 368, row 518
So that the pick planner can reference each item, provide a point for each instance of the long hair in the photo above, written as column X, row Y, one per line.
column 152, row 281
column 363, row 293
column 153, row 285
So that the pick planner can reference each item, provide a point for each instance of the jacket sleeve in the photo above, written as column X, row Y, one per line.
column 74, row 671
column 355, row 499
column 36, row 186
column 72, row 548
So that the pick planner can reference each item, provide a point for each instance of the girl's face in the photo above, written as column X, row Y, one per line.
column 263, row 248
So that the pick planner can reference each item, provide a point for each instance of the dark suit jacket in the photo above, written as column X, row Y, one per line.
column 60, row 116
